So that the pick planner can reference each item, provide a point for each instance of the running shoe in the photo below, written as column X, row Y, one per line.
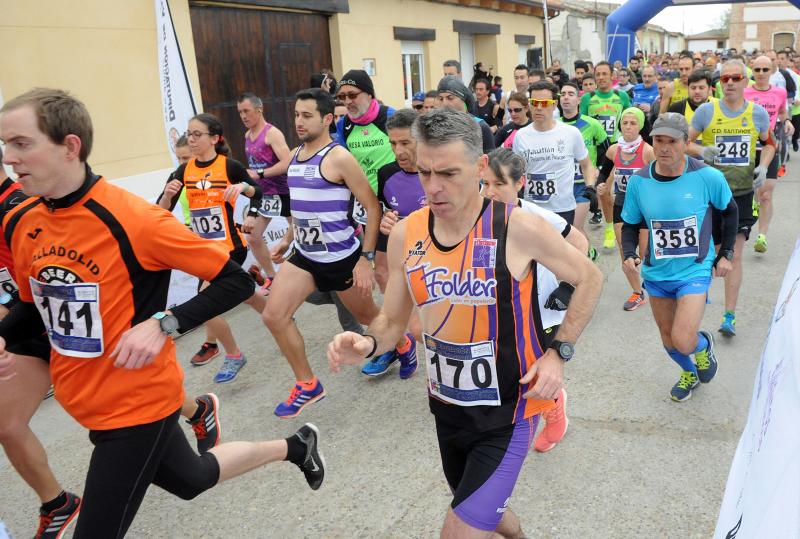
column 782, row 171
column 379, row 365
column 266, row 285
column 313, row 466
column 706, row 360
column 556, row 423
column 761, row 244
column 230, row 369
column 683, row 389
column 255, row 272
column 610, row 240
column 53, row 525
column 298, row 399
column 596, row 218
column 205, row 423
column 728, row 326
column 634, row 302
column 408, row 360
column 207, row 352
column 795, row 146
column 756, row 207
column 592, row 254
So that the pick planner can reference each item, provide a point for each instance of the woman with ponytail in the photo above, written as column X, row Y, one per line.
column 213, row 182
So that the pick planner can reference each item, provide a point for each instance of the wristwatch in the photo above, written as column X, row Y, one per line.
column 169, row 324
column 564, row 349
column 369, row 255
column 260, row 173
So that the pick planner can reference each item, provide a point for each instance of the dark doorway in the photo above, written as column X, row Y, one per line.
column 270, row 53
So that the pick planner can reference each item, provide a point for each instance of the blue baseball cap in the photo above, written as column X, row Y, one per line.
column 419, row 96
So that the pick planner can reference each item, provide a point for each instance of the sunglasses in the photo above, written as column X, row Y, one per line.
column 761, row 70
column 351, row 96
column 542, row 103
column 418, row 107
column 734, row 78
column 516, row 111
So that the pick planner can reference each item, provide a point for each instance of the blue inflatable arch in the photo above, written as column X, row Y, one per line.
column 622, row 24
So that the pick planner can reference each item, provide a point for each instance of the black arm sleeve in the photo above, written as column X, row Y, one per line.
column 228, row 289
column 601, row 149
column 630, row 239
column 791, row 87
column 238, row 174
column 500, row 136
column 488, row 137
column 678, row 107
column 730, row 225
column 21, row 323
column 176, row 175
column 605, row 169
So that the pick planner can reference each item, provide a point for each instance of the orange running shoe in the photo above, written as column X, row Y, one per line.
column 782, row 171
column 556, row 423
column 635, row 301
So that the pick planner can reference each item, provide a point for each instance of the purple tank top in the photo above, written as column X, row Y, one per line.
column 261, row 155
column 403, row 193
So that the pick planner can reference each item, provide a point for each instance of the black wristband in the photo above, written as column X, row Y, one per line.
column 374, row 345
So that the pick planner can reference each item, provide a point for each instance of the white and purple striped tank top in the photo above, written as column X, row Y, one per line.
column 323, row 231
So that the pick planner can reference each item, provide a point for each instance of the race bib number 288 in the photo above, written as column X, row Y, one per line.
column 71, row 315
column 462, row 374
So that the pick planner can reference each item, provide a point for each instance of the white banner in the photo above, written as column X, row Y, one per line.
column 176, row 93
column 762, row 498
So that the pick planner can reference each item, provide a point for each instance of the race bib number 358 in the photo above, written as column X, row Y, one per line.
column 462, row 374
column 675, row 238
column 71, row 315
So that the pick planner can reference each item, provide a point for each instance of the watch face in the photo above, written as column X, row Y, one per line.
column 169, row 324
column 566, row 350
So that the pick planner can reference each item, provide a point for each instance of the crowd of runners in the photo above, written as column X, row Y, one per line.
column 469, row 211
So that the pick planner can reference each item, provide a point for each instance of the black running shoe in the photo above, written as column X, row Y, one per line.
column 596, row 218
column 313, row 465
column 53, row 525
column 206, row 427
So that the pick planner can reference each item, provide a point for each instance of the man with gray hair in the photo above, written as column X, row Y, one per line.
column 729, row 129
column 672, row 197
column 489, row 378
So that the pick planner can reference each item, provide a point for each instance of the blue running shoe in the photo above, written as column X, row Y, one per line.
column 728, row 327
column 682, row 390
column 706, row 360
column 298, row 399
column 379, row 365
column 408, row 360
column 230, row 369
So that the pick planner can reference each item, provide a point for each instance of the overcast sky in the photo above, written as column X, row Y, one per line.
column 689, row 20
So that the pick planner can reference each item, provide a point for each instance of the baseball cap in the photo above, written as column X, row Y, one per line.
column 419, row 96
column 671, row 124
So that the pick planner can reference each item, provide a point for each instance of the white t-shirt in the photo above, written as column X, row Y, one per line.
column 546, row 280
column 550, row 171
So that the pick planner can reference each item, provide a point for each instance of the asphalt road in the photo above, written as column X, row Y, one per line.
column 633, row 464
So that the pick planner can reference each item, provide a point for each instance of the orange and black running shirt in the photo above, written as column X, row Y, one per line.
column 482, row 329
column 10, row 196
column 94, row 264
column 210, row 215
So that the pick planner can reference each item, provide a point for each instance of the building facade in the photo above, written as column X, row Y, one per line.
column 579, row 32
column 767, row 25
column 710, row 40
column 104, row 52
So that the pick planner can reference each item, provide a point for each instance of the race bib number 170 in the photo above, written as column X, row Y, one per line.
column 71, row 315
column 462, row 374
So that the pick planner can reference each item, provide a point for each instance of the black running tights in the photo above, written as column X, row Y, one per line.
column 123, row 465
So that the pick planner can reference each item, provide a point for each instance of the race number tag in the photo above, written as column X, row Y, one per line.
column 621, row 176
column 676, row 238
column 271, row 206
column 578, row 172
column 208, row 223
column 734, row 150
column 462, row 374
column 71, row 315
column 7, row 283
column 359, row 213
column 308, row 235
column 541, row 187
column 609, row 124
